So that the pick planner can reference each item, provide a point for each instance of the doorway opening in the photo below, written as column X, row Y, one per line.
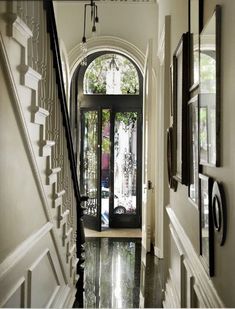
column 110, row 108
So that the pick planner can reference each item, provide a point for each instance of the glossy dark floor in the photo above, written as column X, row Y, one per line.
column 116, row 278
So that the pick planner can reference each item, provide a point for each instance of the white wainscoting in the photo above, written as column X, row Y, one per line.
column 188, row 284
column 38, row 260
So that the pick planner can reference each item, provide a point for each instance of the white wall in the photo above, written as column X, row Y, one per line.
column 187, row 214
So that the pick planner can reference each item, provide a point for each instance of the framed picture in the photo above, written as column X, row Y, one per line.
column 193, row 150
column 170, row 160
column 180, row 102
column 219, row 212
column 206, row 224
column 195, row 26
column 209, row 100
column 171, row 88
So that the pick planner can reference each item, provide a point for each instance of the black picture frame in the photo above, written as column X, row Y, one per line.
column 193, row 186
column 210, row 93
column 219, row 213
column 170, row 160
column 195, row 24
column 171, row 88
column 206, row 224
column 180, row 101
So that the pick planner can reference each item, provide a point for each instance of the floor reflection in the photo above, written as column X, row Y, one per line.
column 112, row 273
column 116, row 278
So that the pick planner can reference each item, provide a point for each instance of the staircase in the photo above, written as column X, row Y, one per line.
column 30, row 57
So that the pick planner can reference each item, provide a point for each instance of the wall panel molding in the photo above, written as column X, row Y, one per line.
column 34, row 268
column 23, row 249
column 196, row 288
column 20, row 285
column 13, row 86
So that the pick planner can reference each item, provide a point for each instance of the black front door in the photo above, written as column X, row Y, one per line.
column 110, row 99
column 90, row 166
column 111, row 166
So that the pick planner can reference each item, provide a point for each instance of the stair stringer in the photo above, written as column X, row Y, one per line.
column 23, row 81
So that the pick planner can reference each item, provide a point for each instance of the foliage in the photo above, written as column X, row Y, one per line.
column 95, row 75
column 91, row 118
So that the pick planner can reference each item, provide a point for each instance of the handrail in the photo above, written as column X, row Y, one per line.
column 52, row 30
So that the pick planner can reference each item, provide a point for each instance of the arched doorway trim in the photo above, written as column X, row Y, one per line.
column 106, row 43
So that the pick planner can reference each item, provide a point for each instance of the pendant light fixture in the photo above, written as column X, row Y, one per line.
column 94, row 20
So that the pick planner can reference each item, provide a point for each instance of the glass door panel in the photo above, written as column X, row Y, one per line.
column 105, row 168
column 109, row 164
column 90, row 182
column 124, row 198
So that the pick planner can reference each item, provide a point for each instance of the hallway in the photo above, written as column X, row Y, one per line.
column 116, row 278
column 95, row 142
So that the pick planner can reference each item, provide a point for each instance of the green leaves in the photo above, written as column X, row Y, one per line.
column 95, row 75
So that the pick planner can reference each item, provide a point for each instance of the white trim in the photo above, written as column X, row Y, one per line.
column 161, row 47
column 30, row 151
column 162, row 124
column 62, row 216
column 64, row 293
column 53, row 296
column 58, row 198
column 39, row 115
column 52, row 177
column 46, row 148
column 23, row 249
column 203, row 286
column 19, row 284
column 68, row 299
column 158, row 252
column 18, row 29
column 29, row 77
column 35, row 264
column 106, row 43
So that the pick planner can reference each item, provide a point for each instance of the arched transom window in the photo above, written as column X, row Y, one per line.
column 111, row 74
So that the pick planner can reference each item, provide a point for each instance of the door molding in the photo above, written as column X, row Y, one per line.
column 163, row 115
column 106, row 43
column 146, row 165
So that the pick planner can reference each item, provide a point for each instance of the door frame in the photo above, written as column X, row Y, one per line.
column 100, row 102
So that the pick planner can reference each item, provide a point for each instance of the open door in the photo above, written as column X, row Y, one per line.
column 90, row 162
column 124, row 209
column 146, row 183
